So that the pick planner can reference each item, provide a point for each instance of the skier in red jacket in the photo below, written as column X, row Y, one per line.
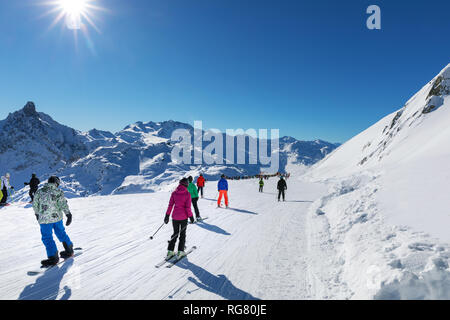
column 200, row 184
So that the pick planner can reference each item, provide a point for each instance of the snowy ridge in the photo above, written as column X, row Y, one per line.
column 384, row 222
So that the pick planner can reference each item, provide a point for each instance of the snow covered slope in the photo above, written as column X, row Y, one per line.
column 257, row 249
column 419, row 132
column 389, row 196
column 136, row 159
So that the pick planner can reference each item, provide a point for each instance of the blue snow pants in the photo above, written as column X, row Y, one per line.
column 47, row 236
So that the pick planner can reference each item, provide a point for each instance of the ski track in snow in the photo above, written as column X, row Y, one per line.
column 256, row 249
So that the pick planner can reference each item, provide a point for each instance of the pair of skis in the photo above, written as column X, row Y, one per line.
column 174, row 260
column 197, row 221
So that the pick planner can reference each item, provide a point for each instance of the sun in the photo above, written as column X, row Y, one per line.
column 76, row 13
column 74, row 7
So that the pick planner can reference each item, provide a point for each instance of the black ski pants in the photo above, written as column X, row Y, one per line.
column 195, row 204
column 179, row 230
column 31, row 193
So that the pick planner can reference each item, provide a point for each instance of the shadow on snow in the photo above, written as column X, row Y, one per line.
column 242, row 210
column 213, row 228
column 47, row 286
column 219, row 284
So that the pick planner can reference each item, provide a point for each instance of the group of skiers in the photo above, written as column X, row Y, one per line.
column 6, row 187
column 261, row 176
column 180, row 208
column 50, row 206
column 281, row 187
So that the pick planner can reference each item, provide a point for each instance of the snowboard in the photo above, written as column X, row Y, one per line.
column 61, row 261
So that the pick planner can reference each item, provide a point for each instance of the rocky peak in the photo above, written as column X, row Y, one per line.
column 29, row 109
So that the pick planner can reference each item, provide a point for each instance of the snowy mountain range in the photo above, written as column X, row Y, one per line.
column 135, row 159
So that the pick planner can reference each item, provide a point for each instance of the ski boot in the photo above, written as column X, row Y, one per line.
column 68, row 251
column 170, row 255
column 199, row 219
column 181, row 254
column 52, row 261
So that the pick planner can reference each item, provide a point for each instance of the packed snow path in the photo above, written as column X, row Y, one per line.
column 257, row 249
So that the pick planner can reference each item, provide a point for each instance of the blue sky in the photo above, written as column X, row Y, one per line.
column 311, row 69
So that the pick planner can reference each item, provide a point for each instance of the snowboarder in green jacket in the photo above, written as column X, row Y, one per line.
column 49, row 207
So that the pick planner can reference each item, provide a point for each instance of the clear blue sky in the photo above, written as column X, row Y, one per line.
column 310, row 68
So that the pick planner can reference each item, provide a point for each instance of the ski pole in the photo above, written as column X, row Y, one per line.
column 151, row 238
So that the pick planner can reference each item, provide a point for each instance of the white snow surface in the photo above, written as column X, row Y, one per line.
column 256, row 249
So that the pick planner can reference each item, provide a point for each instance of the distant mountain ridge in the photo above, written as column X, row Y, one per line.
column 135, row 159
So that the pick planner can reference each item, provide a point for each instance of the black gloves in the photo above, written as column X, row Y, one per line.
column 166, row 219
column 69, row 219
column 12, row 187
column 192, row 219
column 37, row 217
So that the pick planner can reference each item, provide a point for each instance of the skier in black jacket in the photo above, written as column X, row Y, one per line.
column 34, row 186
column 281, row 186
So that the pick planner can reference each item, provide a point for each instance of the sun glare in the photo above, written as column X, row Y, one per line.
column 73, row 7
column 76, row 13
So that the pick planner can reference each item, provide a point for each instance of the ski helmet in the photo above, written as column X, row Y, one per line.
column 55, row 180
column 7, row 175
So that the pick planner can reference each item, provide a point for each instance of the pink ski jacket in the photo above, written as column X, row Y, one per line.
column 181, row 200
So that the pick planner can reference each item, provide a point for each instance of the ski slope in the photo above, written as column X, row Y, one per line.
column 257, row 249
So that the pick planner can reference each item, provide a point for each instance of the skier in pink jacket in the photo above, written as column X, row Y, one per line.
column 180, row 202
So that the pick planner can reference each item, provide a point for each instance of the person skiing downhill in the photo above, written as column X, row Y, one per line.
column 261, row 185
column 34, row 186
column 200, row 184
column 222, row 187
column 180, row 203
column 5, row 185
column 194, row 196
column 281, row 186
column 49, row 206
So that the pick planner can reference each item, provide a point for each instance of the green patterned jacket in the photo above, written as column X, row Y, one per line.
column 50, row 204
